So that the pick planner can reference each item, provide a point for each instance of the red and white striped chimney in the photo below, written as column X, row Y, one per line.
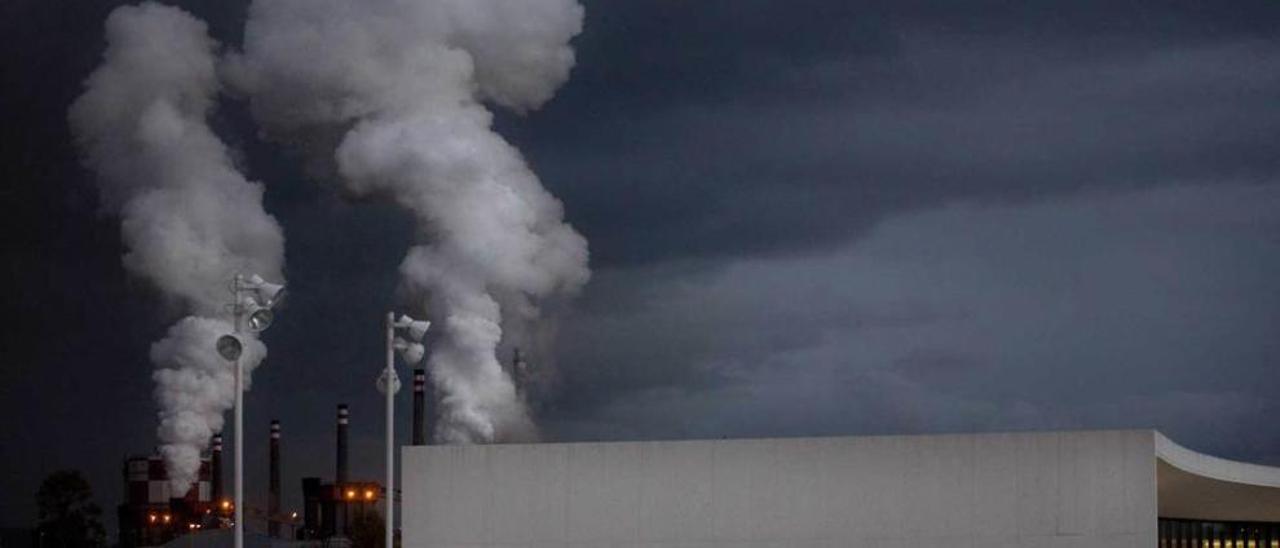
column 340, row 477
column 419, row 407
column 273, row 494
column 215, row 465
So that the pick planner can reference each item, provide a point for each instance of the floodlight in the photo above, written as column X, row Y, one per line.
column 229, row 347
column 382, row 383
column 254, row 298
column 417, row 328
column 410, row 352
column 271, row 295
column 265, row 293
column 260, row 319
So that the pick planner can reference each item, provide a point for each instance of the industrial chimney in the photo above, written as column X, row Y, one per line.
column 519, row 372
column 343, row 516
column 215, row 464
column 419, row 407
column 340, row 477
column 273, row 496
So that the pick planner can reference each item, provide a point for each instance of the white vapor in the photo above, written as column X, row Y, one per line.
column 189, row 219
column 405, row 82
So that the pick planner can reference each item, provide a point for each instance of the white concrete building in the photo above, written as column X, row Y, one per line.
column 1095, row 489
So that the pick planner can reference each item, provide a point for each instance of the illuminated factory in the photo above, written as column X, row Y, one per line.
column 152, row 514
column 330, row 508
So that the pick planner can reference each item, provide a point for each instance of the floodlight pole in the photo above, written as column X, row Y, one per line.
column 231, row 349
column 239, row 441
column 391, row 430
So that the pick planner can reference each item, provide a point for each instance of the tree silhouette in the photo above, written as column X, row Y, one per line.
column 68, row 517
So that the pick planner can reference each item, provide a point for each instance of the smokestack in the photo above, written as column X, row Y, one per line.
column 419, row 407
column 519, row 371
column 273, row 496
column 341, row 476
column 215, row 465
column 188, row 216
column 474, row 199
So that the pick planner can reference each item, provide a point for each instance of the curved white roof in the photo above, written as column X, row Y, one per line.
column 1193, row 485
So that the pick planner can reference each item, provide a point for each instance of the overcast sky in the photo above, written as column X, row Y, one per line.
column 805, row 218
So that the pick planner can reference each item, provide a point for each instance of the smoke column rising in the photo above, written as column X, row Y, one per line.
column 189, row 219
column 404, row 84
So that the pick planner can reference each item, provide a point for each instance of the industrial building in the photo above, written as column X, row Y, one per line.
column 330, row 508
column 1090, row 489
column 151, row 515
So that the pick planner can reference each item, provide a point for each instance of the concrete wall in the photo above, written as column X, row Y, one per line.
column 1094, row 489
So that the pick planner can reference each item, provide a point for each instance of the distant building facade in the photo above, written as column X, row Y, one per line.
column 1094, row 489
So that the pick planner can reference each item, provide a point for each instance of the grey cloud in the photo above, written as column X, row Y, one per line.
column 1103, row 310
column 942, row 118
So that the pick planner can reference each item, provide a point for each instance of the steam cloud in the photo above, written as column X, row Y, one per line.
column 403, row 83
column 189, row 219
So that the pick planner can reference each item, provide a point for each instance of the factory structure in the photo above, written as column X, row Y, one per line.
column 330, row 508
column 152, row 515
column 1132, row 489
column 1129, row 488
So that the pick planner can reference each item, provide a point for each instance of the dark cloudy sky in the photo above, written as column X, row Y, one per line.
column 805, row 218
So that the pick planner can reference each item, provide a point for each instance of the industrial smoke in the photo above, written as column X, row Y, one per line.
column 404, row 85
column 404, row 89
column 189, row 219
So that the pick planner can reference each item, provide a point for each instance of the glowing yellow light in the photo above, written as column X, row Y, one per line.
column 152, row 517
column 226, row 504
column 351, row 493
column 368, row 494
column 166, row 518
column 293, row 515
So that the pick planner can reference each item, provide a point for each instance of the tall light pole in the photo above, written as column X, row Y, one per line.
column 411, row 351
column 254, row 299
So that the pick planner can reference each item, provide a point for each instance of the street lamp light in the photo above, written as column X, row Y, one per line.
column 253, row 300
column 229, row 348
column 411, row 351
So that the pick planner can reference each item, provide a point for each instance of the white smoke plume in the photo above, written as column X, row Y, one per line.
column 406, row 82
column 189, row 219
